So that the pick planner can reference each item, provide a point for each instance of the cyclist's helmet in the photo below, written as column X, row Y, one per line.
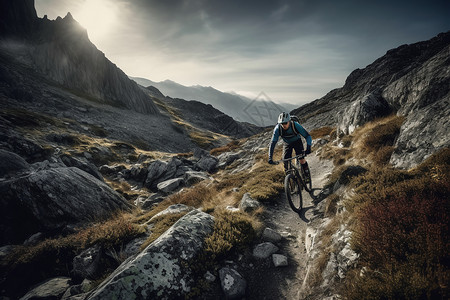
column 283, row 117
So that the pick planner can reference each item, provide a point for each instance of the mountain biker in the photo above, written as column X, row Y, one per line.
column 290, row 132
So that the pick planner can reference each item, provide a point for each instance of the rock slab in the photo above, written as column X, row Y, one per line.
column 161, row 270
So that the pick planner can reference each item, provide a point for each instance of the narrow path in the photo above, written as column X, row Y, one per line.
column 269, row 282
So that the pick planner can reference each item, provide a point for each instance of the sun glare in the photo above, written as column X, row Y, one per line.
column 97, row 16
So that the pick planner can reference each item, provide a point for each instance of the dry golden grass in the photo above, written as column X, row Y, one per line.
column 227, row 148
column 322, row 132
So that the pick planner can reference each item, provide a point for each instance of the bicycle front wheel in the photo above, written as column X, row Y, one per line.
column 307, row 180
column 293, row 192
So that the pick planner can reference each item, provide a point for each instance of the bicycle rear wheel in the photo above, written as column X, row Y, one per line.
column 293, row 192
column 307, row 179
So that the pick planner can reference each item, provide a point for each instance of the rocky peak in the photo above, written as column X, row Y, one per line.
column 17, row 17
column 61, row 51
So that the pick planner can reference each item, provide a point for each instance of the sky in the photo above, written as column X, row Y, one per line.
column 293, row 51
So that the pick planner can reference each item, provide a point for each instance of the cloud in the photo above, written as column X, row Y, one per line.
column 290, row 49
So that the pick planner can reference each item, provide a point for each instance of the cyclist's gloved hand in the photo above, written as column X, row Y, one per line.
column 271, row 161
column 308, row 149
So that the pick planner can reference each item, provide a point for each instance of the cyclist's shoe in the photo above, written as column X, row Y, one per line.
column 307, row 179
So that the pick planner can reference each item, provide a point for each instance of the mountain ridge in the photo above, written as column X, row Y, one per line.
column 237, row 106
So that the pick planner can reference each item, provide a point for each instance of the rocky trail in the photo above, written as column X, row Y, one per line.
column 286, row 282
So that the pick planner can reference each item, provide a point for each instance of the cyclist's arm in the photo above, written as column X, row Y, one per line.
column 275, row 137
column 304, row 133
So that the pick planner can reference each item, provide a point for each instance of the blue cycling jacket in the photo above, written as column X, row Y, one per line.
column 289, row 136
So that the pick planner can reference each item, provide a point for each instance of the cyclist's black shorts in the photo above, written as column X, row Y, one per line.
column 287, row 150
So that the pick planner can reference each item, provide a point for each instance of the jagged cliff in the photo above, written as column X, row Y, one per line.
column 61, row 51
column 411, row 81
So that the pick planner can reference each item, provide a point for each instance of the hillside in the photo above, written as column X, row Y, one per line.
column 411, row 81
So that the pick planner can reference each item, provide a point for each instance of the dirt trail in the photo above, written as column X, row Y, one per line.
column 269, row 282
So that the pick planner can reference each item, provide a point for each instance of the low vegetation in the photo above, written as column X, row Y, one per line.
column 402, row 232
column 399, row 218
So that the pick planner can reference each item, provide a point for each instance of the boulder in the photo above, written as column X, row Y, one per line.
column 11, row 163
column 227, row 158
column 52, row 199
column 271, row 235
column 248, row 204
column 233, row 284
column 87, row 263
column 279, row 260
column 160, row 171
column 193, row 177
column 50, row 289
column 148, row 202
column 363, row 110
column 424, row 132
column 160, row 271
column 264, row 250
column 90, row 168
column 170, row 185
column 207, row 163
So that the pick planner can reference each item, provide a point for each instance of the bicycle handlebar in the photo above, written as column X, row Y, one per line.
column 303, row 155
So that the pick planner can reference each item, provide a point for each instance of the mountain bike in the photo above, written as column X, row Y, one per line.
column 295, row 181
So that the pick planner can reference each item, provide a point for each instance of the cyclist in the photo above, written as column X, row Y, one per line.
column 290, row 132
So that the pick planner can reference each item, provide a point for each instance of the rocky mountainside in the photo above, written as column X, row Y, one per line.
column 238, row 107
column 411, row 81
column 61, row 51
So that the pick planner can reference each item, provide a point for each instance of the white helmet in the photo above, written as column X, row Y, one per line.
column 284, row 117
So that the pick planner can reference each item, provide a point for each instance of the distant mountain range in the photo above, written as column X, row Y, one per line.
column 261, row 111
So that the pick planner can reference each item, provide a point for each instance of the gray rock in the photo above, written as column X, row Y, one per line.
column 87, row 263
column 170, row 185
column 363, row 110
column 346, row 258
column 34, row 239
column 90, row 168
column 173, row 209
column 50, row 289
column 233, row 284
column 160, row 271
column 279, row 260
column 193, row 177
column 199, row 153
column 155, row 170
column 160, row 171
column 207, row 163
column 209, row 277
column 52, row 199
column 248, row 204
column 11, row 163
column 329, row 274
column 431, row 122
column 271, row 235
column 227, row 158
column 264, row 250
column 136, row 173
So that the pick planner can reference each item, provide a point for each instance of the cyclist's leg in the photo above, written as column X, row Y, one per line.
column 287, row 153
column 298, row 146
